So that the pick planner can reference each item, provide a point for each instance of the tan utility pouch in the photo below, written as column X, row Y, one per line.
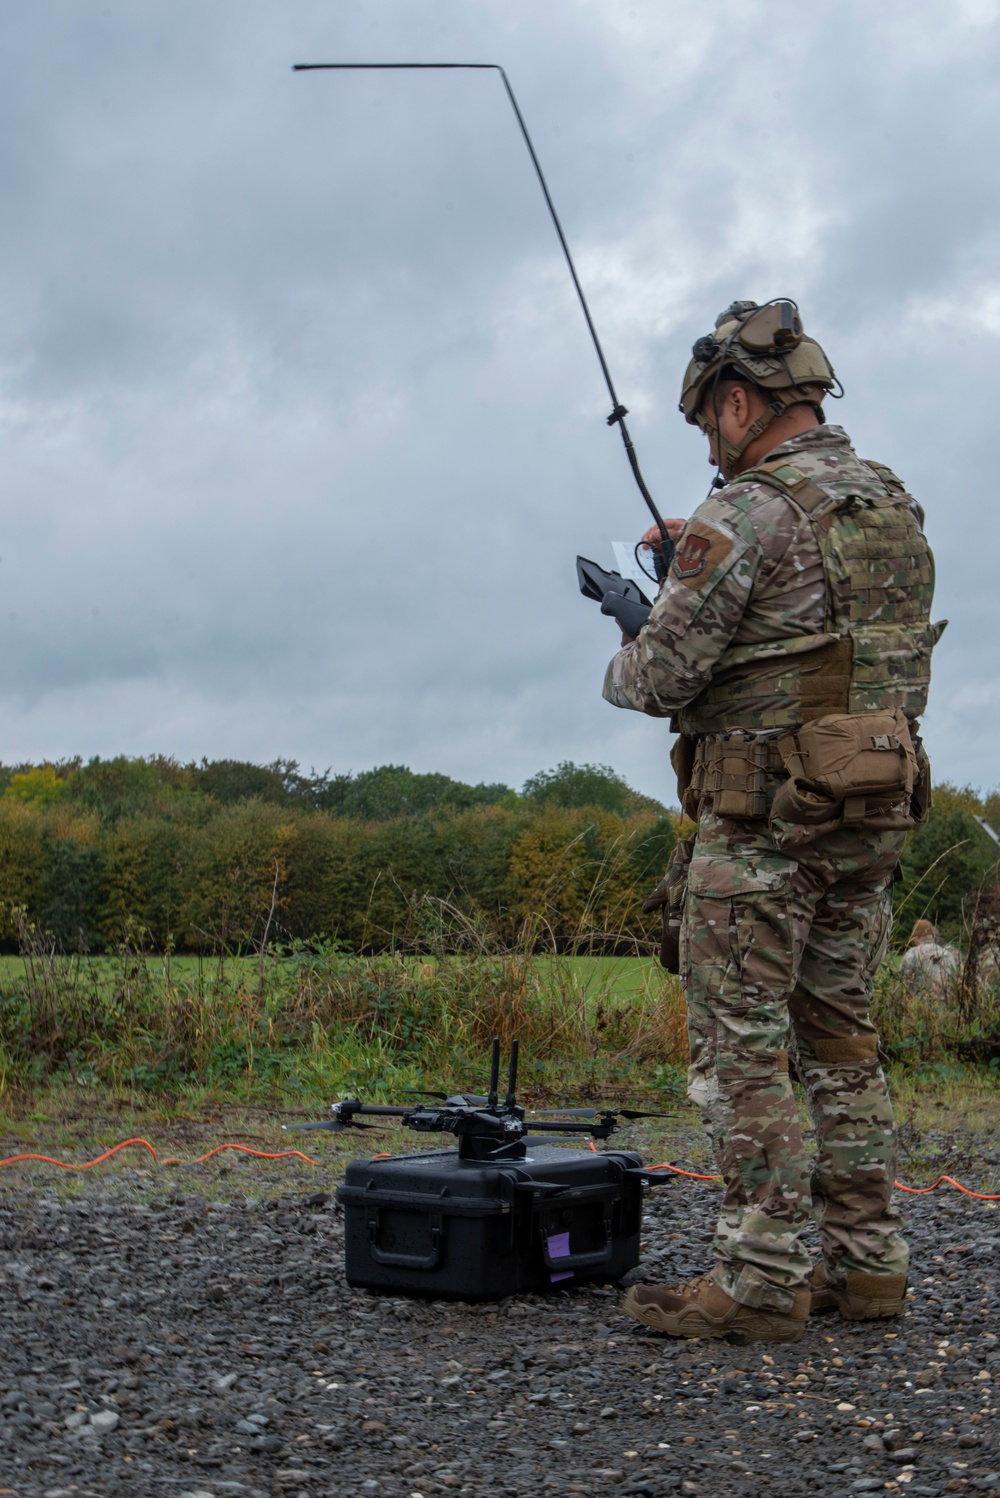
column 668, row 898
column 732, row 769
column 864, row 763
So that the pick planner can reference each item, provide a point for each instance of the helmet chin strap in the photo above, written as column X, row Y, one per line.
column 730, row 452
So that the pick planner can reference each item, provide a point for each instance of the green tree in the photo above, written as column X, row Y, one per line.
column 70, row 887
column 577, row 786
column 943, row 865
column 395, row 791
column 23, row 859
column 38, row 786
column 121, row 787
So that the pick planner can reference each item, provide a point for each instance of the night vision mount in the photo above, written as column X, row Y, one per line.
column 486, row 1128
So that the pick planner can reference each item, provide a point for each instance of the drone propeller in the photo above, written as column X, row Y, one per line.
column 331, row 1125
column 424, row 1092
column 628, row 1113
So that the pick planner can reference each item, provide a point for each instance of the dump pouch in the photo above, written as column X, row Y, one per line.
column 668, row 898
column 850, row 766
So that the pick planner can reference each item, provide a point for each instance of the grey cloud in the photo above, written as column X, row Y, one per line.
column 295, row 391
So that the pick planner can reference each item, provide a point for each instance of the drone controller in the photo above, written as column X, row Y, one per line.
column 620, row 597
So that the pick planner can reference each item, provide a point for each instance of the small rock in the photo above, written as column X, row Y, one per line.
column 609, row 1412
column 225, row 1383
column 105, row 1421
column 75, row 1420
column 267, row 1444
column 867, row 1485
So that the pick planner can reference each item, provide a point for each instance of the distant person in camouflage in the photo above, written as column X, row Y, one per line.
column 927, row 968
column 790, row 645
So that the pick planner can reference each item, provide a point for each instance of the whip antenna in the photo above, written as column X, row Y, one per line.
column 618, row 411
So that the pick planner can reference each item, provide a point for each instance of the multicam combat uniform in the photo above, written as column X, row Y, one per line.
column 803, row 588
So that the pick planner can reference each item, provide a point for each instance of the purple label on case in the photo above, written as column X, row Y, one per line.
column 558, row 1247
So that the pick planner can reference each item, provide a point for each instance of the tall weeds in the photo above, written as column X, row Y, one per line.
column 315, row 1013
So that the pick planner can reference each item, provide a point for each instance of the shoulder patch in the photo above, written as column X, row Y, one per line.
column 700, row 550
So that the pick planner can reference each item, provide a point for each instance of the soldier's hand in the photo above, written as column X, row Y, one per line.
column 674, row 528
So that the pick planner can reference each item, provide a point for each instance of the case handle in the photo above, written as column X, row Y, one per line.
column 429, row 1260
column 579, row 1261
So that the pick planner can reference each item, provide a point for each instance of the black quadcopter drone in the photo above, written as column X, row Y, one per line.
column 486, row 1128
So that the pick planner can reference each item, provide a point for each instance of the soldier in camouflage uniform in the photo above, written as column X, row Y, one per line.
column 798, row 596
column 928, row 970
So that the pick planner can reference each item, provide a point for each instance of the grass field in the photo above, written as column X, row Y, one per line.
column 312, row 1023
column 192, row 1053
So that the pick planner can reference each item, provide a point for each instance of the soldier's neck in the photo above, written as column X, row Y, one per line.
column 796, row 419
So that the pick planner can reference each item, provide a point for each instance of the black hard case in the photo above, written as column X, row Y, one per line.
column 432, row 1224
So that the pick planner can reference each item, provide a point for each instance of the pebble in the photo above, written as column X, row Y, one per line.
column 105, row 1421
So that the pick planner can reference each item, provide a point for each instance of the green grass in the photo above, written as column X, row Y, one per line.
column 192, row 1053
column 320, row 1022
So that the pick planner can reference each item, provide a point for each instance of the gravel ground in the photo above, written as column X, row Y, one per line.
column 179, row 1346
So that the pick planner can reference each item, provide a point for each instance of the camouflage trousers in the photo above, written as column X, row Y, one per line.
column 778, row 953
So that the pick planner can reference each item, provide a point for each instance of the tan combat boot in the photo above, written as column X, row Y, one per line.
column 701, row 1308
column 861, row 1297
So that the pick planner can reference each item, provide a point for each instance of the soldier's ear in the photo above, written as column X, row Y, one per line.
column 737, row 399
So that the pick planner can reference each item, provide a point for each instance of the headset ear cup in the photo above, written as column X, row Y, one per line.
column 774, row 329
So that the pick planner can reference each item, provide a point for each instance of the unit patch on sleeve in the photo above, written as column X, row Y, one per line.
column 700, row 550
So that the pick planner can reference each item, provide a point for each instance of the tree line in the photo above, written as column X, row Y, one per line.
column 224, row 853
column 201, row 856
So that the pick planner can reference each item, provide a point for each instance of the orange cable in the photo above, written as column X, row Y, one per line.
column 691, row 1175
column 244, row 1149
column 982, row 1196
column 125, row 1144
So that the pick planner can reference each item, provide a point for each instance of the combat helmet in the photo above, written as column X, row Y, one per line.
column 766, row 346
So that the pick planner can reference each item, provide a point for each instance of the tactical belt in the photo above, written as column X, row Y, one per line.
column 733, row 769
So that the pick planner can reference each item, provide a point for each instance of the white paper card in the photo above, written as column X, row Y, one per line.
column 626, row 564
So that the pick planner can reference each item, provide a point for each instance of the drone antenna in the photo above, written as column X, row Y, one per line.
column 494, row 1072
column 618, row 411
column 512, row 1076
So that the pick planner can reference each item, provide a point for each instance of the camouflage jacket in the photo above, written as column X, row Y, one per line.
column 748, row 579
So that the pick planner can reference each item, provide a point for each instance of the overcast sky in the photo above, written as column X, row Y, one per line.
column 301, row 427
